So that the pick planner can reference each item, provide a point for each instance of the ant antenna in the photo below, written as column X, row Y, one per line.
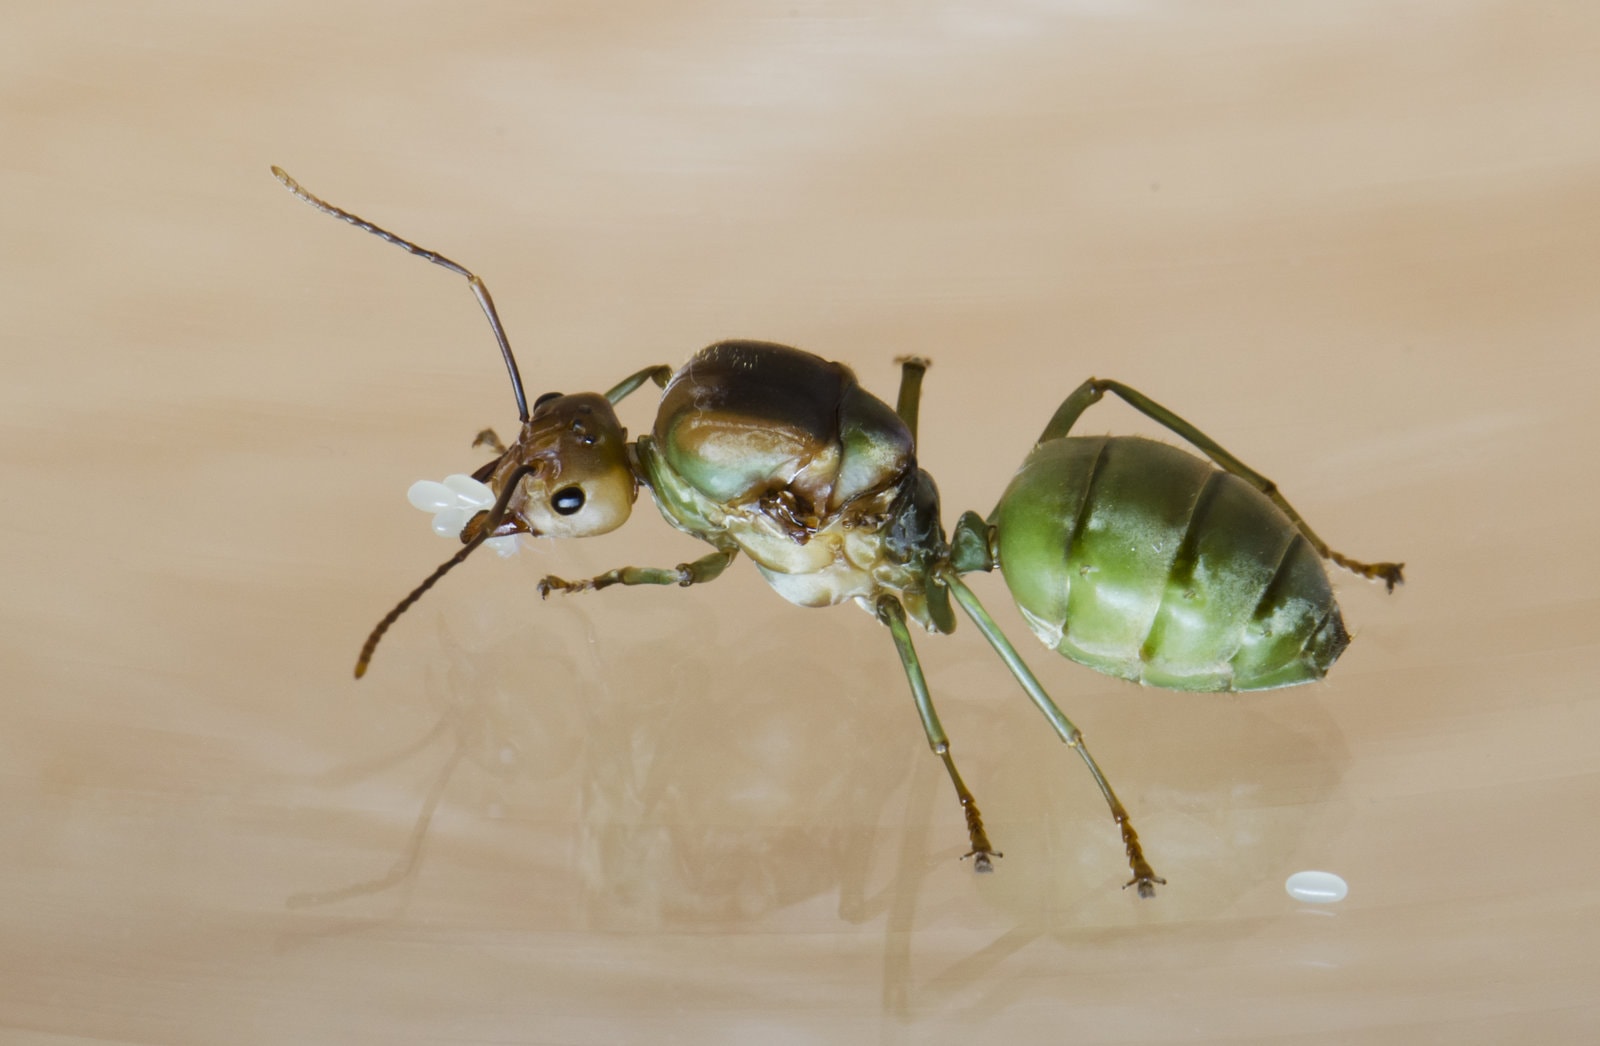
column 479, row 289
column 491, row 522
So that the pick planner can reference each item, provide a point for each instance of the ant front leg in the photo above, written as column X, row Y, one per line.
column 1091, row 392
column 706, row 568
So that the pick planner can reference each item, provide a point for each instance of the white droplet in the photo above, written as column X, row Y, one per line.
column 453, row 503
column 470, row 491
column 1315, row 887
column 449, row 523
column 430, row 496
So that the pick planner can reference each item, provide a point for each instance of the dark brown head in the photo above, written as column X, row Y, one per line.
column 575, row 481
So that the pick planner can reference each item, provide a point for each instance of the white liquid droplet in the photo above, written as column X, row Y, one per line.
column 1316, row 887
column 430, row 496
column 504, row 546
column 470, row 491
column 448, row 523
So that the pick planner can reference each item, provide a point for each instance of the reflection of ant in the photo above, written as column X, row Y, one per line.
column 488, row 714
column 678, row 825
column 691, row 807
column 406, row 863
column 702, row 807
column 476, row 710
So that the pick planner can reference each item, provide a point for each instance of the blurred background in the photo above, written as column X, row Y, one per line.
column 1357, row 243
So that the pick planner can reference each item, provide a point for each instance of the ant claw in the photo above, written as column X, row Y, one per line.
column 1146, row 883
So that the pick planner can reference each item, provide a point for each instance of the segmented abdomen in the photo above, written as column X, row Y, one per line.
column 1142, row 561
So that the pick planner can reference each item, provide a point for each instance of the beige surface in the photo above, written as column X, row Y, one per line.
column 1357, row 242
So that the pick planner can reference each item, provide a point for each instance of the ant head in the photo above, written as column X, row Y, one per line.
column 572, row 456
column 568, row 475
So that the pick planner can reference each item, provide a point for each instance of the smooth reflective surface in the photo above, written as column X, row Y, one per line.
column 1357, row 245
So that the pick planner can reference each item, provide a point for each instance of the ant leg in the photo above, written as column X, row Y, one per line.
column 1144, row 877
column 660, row 374
column 704, row 569
column 488, row 438
column 892, row 614
column 1091, row 391
column 912, row 368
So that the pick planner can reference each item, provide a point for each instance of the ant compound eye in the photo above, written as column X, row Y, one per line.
column 567, row 500
column 546, row 398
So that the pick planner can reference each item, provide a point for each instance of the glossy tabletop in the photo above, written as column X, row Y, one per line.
column 1357, row 243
